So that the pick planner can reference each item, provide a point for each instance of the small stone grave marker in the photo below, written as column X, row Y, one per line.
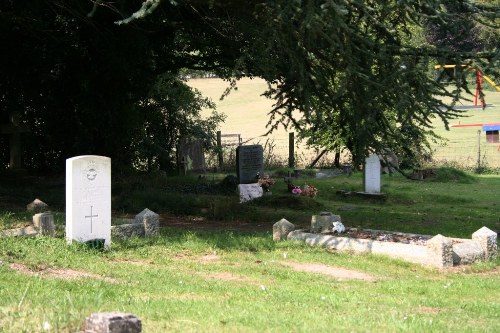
column 372, row 174
column 249, row 163
column 88, row 199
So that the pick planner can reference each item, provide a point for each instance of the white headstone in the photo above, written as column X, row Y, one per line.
column 372, row 174
column 249, row 192
column 88, row 199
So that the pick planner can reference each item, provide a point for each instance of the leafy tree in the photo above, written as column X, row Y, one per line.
column 171, row 110
column 341, row 72
column 80, row 81
column 351, row 68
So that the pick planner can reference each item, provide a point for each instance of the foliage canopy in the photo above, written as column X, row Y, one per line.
column 343, row 73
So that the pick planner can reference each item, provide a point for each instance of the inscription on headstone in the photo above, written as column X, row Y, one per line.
column 249, row 163
column 88, row 199
column 372, row 174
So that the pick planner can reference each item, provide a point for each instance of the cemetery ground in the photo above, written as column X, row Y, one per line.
column 215, row 267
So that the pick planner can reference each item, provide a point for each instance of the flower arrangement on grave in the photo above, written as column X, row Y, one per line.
column 309, row 191
column 266, row 182
column 306, row 190
column 296, row 190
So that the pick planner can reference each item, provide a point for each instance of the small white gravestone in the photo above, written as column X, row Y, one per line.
column 88, row 199
column 372, row 174
column 249, row 192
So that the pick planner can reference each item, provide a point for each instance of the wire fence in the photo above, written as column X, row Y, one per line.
column 276, row 152
column 467, row 154
column 464, row 153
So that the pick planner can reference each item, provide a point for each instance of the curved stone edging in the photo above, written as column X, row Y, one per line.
column 439, row 252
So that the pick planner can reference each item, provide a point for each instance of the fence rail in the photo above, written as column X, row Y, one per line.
column 464, row 153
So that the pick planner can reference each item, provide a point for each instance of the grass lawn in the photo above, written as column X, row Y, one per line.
column 230, row 281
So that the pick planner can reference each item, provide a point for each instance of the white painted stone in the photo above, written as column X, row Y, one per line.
column 249, row 192
column 88, row 199
column 338, row 227
column 372, row 174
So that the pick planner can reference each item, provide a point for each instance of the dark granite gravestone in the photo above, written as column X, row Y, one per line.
column 249, row 163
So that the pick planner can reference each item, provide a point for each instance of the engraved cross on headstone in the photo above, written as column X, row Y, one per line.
column 91, row 216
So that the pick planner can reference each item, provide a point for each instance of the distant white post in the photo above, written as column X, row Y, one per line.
column 88, row 199
column 372, row 174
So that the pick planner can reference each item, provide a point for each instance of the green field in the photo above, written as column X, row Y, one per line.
column 466, row 145
column 247, row 114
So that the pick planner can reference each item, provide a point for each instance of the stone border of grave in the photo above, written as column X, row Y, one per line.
column 145, row 224
column 43, row 225
column 439, row 251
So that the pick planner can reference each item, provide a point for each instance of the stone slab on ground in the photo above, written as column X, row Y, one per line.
column 126, row 231
column 26, row 231
column 113, row 322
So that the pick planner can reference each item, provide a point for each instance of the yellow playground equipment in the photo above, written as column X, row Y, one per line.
column 479, row 79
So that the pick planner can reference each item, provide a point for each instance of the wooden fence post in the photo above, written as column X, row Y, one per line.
column 219, row 150
column 291, row 151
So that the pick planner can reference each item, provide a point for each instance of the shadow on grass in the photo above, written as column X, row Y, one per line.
column 200, row 241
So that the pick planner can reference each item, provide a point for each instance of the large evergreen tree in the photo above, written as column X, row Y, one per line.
column 344, row 73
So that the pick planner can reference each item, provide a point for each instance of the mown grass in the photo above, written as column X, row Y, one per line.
column 220, row 281
column 244, row 288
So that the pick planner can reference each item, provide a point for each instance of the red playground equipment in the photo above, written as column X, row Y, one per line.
column 479, row 80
